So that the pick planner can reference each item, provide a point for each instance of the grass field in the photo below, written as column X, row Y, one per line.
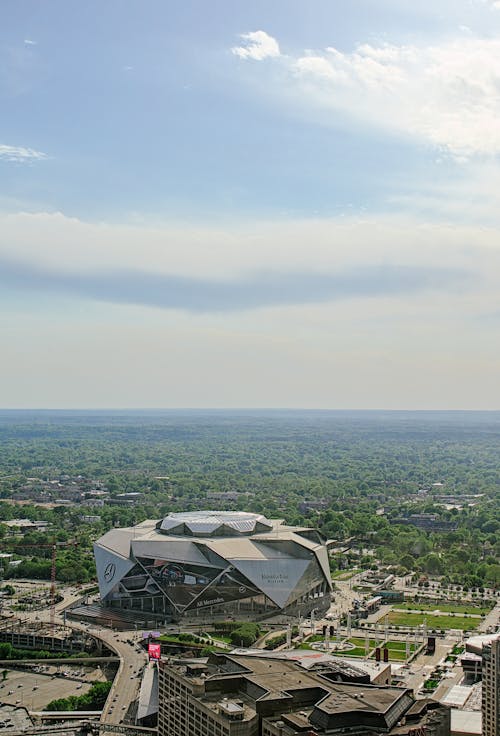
column 397, row 656
column 397, row 650
column 360, row 642
column 443, row 607
column 401, row 618
column 399, row 646
column 356, row 652
column 219, row 637
column 344, row 574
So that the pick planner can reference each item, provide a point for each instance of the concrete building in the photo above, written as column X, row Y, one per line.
column 429, row 522
column 211, row 564
column 491, row 687
column 237, row 695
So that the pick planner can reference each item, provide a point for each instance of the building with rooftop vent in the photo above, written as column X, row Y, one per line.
column 210, row 564
column 238, row 695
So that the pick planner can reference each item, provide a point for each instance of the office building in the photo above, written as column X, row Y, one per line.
column 237, row 695
column 491, row 687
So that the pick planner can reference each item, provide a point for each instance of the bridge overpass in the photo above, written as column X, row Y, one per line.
column 59, row 660
column 87, row 718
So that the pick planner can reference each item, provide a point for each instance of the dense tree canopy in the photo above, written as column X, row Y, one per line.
column 364, row 470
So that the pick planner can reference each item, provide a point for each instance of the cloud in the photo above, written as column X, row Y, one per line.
column 254, row 291
column 29, row 42
column 371, row 313
column 54, row 241
column 446, row 95
column 19, row 154
column 258, row 45
column 252, row 265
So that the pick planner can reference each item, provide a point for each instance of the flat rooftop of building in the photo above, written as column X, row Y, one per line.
column 148, row 696
column 466, row 722
column 311, row 659
column 276, row 676
column 230, row 706
column 457, row 696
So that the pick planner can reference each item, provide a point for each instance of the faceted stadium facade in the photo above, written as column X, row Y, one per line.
column 212, row 564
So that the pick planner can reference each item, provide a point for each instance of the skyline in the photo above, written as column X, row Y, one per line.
column 287, row 206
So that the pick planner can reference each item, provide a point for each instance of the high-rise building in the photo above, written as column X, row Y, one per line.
column 241, row 695
column 491, row 688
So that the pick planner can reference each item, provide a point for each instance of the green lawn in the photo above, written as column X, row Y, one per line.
column 356, row 652
column 443, row 607
column 360, row 642
column 397, row 656
column 401, row 618
column 400, row 646
column 344, row 574
column 397, row 650
column 218, row 637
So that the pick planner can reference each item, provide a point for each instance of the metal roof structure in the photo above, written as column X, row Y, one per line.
column 197, row 560
column 214, row 523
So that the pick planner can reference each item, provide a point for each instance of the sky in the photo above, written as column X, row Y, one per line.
column 232, row 204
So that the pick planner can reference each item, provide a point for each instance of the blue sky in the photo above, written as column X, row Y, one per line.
column 250, row 204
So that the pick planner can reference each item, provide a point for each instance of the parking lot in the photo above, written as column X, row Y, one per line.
column 34, row 690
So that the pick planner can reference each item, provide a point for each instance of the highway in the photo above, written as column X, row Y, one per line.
column 126, row 685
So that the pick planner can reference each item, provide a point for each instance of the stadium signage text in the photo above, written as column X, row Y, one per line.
column 274, row 578
column 210, row 602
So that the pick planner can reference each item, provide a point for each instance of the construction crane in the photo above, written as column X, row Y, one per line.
column 53, row 546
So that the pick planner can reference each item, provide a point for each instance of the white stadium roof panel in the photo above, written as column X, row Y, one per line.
column 118, row 541
column 209, row 522
column 176, row 551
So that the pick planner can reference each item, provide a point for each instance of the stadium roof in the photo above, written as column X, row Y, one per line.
column 214, row 523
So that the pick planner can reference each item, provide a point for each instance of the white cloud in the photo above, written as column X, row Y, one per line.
column 428, row 349
column 20, row 154
column 29, row 42
column 446, row 95
column 258, row 45
column 61, row 244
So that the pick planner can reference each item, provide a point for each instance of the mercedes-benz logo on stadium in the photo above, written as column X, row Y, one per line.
column 242, row 589
column 109, row 571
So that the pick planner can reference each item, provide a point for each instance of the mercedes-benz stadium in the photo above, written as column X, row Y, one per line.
column 213, row 564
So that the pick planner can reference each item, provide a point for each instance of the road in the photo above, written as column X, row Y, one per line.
column 126, row 685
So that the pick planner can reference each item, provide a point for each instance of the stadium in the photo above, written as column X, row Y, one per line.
column 212, row 564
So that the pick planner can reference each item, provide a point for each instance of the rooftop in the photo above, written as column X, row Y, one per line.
column 214, row 523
